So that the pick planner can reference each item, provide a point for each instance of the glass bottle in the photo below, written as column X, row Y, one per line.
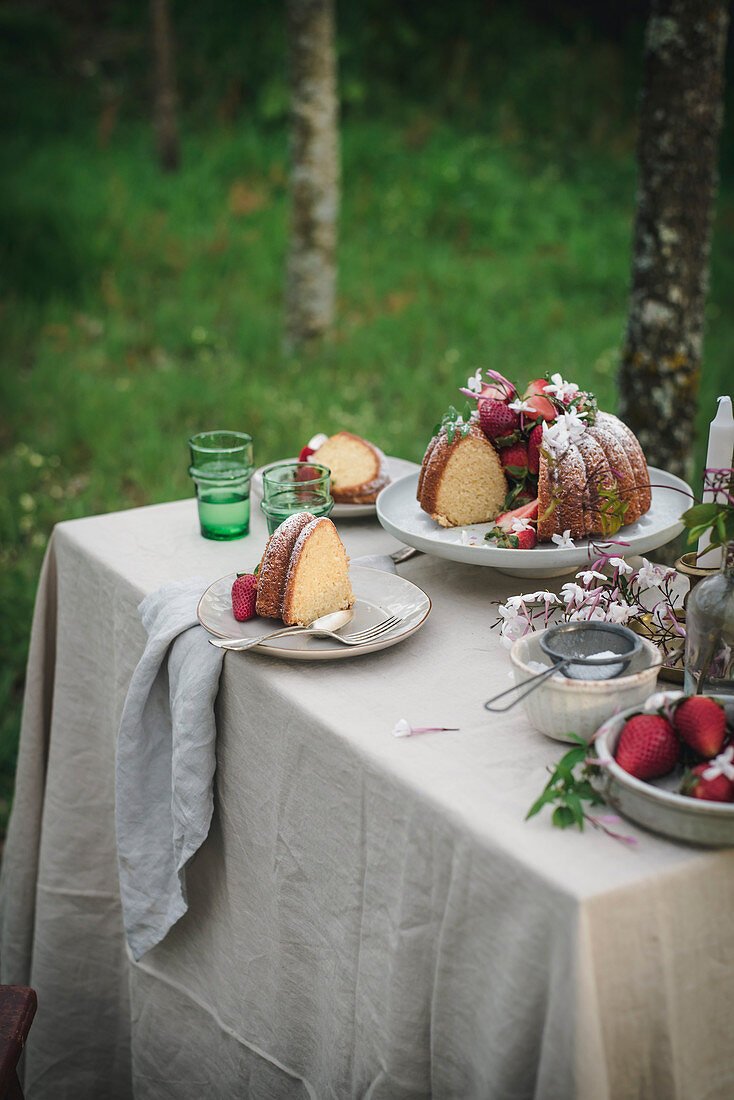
column 710, row 633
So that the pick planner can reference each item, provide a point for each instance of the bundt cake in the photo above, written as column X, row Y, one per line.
column 550, row 459
column 461, row 481
column 594, row 484
column 304, row 572
column 358, row 468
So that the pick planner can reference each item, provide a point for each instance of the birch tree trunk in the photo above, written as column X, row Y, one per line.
column 314, row 184
column 164, row 87
column 680, row 119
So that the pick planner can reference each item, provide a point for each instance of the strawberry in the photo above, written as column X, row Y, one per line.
column 535, row 387
column 514, row 460
column 496, row 419
column 526, row 540
column 526, row 511
column 541, row 406
column 716, row 789
column 701, row 723
column 306, row 452
column 648, row 747
column 534, row 440
column 306, row 473
column 244, row 594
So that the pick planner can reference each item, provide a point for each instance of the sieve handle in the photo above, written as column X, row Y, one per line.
column 534, row 681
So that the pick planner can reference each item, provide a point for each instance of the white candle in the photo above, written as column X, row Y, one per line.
column 718, row 457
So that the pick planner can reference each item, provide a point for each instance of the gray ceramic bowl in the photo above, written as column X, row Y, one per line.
column 655, row 805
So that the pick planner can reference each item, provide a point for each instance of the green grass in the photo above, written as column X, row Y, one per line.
column 137, row 308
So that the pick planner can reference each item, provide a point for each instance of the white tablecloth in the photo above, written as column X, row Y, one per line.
column 369, row 917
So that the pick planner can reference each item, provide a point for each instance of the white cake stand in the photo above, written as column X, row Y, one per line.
column 399, row 513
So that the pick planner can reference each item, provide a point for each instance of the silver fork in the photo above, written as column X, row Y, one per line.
column 360, row 637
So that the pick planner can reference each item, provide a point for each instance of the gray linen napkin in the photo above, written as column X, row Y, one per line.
column 165, row 762
column 166, row 759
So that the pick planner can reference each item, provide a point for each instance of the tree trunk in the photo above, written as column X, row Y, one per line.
column 164, row 88
column 679, row 119
column 314, row 184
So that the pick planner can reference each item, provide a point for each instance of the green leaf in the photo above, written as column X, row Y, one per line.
column 569, row 790
column 563, row 817
column 701, row 513
column 721, row 527
column 574, row 804
column 547, row 796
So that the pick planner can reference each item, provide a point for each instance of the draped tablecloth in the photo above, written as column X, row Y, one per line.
column 369, row 916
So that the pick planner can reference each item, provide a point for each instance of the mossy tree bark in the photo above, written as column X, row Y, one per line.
column 164, row 87
column 311, row 266
column 679, row 123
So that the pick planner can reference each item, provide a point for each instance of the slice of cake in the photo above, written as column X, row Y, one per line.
column 358, row 468
column 461, row 479
column 304, row 572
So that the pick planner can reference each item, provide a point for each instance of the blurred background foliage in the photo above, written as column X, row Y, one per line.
column 488, row 198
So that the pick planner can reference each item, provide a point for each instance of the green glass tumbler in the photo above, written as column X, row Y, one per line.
column 296, row 476
column 221, row 468
column 291, row 500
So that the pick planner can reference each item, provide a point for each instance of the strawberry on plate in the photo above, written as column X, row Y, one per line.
column 514, row 460
column 648, row 747
column 244, row 595
column 701, row 722
column 496, row 419
column 541, row 406
column 705, row 781
column 534, row 441
column 528, row 511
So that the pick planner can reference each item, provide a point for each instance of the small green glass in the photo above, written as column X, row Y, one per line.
column 221, row 468
column 306, row 476
column 291, row 500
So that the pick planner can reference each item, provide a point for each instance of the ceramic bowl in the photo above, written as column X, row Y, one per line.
column 560, row 706
column 656, row 805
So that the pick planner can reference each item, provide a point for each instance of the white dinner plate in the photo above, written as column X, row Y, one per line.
column 399, row 513
column 396, row 467
column 377, row 596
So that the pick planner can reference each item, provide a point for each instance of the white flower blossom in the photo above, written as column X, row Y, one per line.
column 572, row 592
column 659, row 699
column 618, row 612
column 588, row 613
column 470, row 538
column 475, row 383
column 520, row 525
column 402, row 728
column 564, row 391
column 520, row 406
column 723, row 764
column 513, row 627
column 543, row 595
column 564, row 541
column 621, row 565
column 651, row 575
column 588, row 575
column 512, row 602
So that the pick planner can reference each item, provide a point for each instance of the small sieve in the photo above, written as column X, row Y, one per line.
column 581, row 651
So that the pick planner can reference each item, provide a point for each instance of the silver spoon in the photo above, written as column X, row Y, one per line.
column 334, row 621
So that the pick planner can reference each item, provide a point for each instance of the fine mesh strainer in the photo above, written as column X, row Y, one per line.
column 581, row 651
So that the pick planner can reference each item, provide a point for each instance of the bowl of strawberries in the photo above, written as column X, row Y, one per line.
column 669, row 766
